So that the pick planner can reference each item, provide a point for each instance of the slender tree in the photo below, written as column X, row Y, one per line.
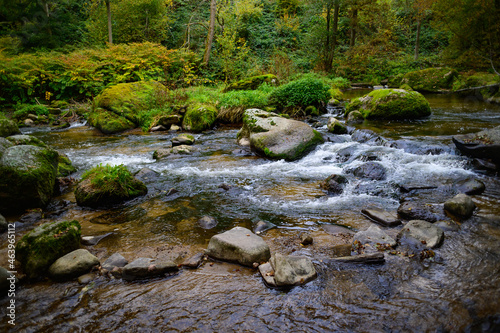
column 110, row 29
column 211, row 31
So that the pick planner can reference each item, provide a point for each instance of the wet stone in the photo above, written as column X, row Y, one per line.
column 207, row 222
column 410, row 210
column 115, row 260
column 32, row 216
column 263, row 226
column 73, row 264
column 195, row 261
column 334, row 184
column 306, row 239
column 184, row 139
column 146, row 174
column 471, row 186
column 460, row 206
column 418, row 232
column 161, row 153
column 447, row 225
column 86, row 278
column 93, row 240
column 382, row 217
column 143, row 268
column 287, row 271
column 370, row 170
column 373, row 236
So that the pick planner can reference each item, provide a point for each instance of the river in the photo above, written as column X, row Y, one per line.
column 458, row 291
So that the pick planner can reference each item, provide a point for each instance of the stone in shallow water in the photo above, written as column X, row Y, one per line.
column 142, row 268
column 386, row 219
column 471, row 186
column 423, row 232
column 73, row 264
column 195, row 261
column 373, row 236
column 292, row 270
column 460, row 206
column 93, row 240
column 370, row 170
column 411, row 210
column 263, row 226
column 183, row 139
column 116, row 260
column 207, row 222
column 239, row 245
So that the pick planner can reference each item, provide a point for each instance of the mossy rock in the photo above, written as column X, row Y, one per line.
column 7, row 126
column 64, row 166
column 336, row 127
column 395, row 81
column 335, row 93
column 391, row 104
column 59, row 104
column 21, row 139
column 28, row 176
column 431, row 79
column 108, row 185
column 41, row 247
column 252, row 83
column 406, row 87
column 4, row 144
column 109, row 122
column 199, row 117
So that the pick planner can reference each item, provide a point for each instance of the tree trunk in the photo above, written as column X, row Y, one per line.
column 110, row 30
column 417, row 41
column 211, row 32
column 354, row 25
column 331, row 37
column 326, row 55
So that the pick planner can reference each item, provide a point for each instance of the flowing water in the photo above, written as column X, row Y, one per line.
column 459, row 291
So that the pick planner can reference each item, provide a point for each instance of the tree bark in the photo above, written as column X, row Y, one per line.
column 354, row 25
column 417, row 41
column 331, row 37
column 110, row 30
column 211, row 32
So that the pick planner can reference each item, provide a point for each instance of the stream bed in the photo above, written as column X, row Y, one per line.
column 459, row 291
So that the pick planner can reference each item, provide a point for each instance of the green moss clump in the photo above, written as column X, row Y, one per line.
column 252, row 83
column 107, row 185
column 23, row 110
column 405, row 87
column 391, row 104
column 41, row 247
column 301, row 94
column 21, row 139
column 199, row 117
column 431, row 79
column 7, row 126
column 335, row 93
column 64, row 166
column 109, row 122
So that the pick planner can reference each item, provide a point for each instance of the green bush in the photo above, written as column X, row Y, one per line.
column 112, row 179
column 301, row 94
column 22, row 110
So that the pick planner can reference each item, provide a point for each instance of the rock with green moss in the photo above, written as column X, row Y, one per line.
column 253, row 82
column 107, row 185
column 28, row 176
column 391, row 104
column 109, row 122
column 355, row 117
column 21, row 139
column 395, row 81
column 405, row 87
column 64, row 166
column 4, row 144
column 41, row 247
column 276, row 137
column 199, row 117
column 336, row 127
column 431, row 79
column 7, row 126
column 336, row 94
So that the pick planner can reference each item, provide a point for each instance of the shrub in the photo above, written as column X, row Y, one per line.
column 301, row 94
column 22, row 110
column 112, row 179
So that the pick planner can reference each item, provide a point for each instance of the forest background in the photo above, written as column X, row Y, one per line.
column 73, row 49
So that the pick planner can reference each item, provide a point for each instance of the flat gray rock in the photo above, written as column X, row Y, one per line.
column 422, row 232
column 115, row 260
column 239, row 245
column 382, row 217
column 292, row 270
column 73, row 264
column 373, row 236
column 142, row 268
column 195, row 261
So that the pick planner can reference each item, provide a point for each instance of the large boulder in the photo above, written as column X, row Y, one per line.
column 199, row 117
column 391, row 104
column 7, row 126
column 41, row 247
column 421, row 232
column 484, row 144
column 275, row 137
column 118, row 108
column 108, row 185
column 252, row 83
column 73, row 265
column 431, row 79
column 460, row 206
column 239, row 245
column 283, row 271
column 28, row 176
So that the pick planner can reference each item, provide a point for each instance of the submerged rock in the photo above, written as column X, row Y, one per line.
column 385, row 218
column 183, row 139
column 287, row 271
column 275, row 137
column 142, row 268
column 306, row 238
column 207, row 222
column 410, row 210
column 460, row 206
column 421, row 232
column 262, row 226
column 390, row 104
column 41, row 247
column 73, row 265
column 334, row 184
column 93, row 240
column 370, row 170
column 471, row 186
column 483, row 145
column 373, row 236
column 239, row 245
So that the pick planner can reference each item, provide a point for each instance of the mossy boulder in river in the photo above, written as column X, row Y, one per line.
column 276, row 137
column 391, row 104
column 7, row 126
column 41, row 247
column 431, row 79
column 199, row 117
column 28, row 175
column 108, row 185
column 119, row 107
column 253, row 82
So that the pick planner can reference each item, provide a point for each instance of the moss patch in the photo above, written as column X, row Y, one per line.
column 109, row 122
column 64, row 166
column 41, row 247
column 431, row 79
column 26, row 140
column 252, row 83
column 199, row 117
column 7, row 126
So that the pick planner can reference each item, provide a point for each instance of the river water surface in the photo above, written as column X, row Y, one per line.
column 458, row 291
